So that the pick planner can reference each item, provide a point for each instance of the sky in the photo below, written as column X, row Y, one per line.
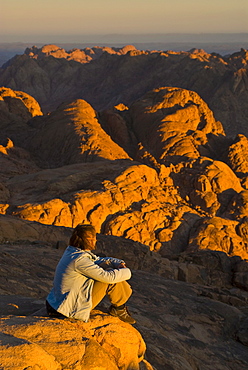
column 23, row 20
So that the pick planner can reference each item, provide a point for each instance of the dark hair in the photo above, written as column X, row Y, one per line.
column 80, row 235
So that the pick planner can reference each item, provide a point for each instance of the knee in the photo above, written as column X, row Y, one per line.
column 128, row 289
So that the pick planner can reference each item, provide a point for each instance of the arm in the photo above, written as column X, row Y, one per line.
column 87, row 267
column 112, row 262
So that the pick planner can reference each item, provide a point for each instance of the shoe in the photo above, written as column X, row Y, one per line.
column 122, row 313
column 52, row 312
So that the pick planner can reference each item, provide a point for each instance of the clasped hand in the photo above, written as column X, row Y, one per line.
column 122, row 265
column 106, row 266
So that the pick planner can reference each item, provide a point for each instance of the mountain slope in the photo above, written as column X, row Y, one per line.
column 149, row 173
column 110, row 77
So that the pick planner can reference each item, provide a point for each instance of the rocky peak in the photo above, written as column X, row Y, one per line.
column 28, row 101
column 168, row 119
column 79, row 55
column 239, row 59
column 73, row 129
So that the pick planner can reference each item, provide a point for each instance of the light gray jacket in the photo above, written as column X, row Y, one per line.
column 74, row 279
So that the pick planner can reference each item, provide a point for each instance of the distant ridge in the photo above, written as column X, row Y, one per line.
column 107, row 76
column 222, row 43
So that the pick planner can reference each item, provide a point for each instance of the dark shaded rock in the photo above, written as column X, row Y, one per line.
column 61, row 244
column 242, row 334
column 240, row 278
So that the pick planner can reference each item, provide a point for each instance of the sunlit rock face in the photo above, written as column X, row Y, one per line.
column 105, row 342
column 17, row 101
column 77, row 55
column 219, row 234
column 16, row 108
column 72, row 134
column 237, row 158
column 174, row 122
column 238, row 206
column 156, row 172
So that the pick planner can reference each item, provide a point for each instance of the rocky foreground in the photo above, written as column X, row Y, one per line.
column 166, row 190
column 197, row 320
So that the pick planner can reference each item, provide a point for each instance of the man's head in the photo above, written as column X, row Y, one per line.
column 83, row 237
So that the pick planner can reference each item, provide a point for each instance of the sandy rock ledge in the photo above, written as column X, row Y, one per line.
column 42, row 343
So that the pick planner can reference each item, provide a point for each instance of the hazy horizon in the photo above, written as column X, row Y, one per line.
column 129, row 38
column 109, row 17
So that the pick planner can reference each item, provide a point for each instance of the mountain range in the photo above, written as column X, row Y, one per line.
column 105, row 76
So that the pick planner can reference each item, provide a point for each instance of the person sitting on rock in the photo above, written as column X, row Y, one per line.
column 82, row 279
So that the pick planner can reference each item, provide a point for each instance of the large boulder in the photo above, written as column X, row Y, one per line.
column 52, row 344
column 207, row 184
column 219, row 234
column 173, row 122
column 16, row 108
column 72, row 134
column 17, row 101
column 238, row 206
column 237, row 158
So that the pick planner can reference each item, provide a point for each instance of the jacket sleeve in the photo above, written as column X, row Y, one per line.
column 87, row 267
